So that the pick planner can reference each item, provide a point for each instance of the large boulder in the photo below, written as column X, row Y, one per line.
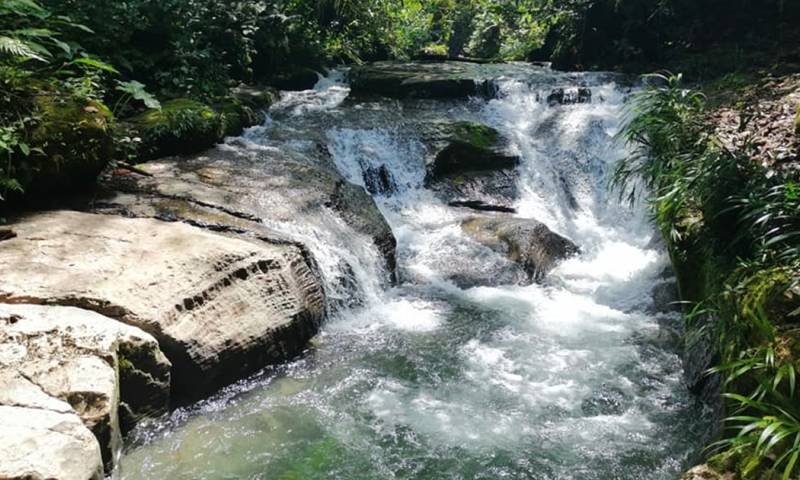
column 420, row 80
column 243, row 189
column 73, row 144
column 525, row 241
column 97, row 365
column 296, row 79
column 469, row 166
column 220, row 307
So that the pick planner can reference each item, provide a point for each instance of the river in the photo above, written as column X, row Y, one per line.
column 578, row 377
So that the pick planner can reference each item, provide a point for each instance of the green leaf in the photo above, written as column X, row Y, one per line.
column 137, row 91
column 94, row 63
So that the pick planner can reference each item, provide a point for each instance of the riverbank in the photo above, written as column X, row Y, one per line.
column 728, row 209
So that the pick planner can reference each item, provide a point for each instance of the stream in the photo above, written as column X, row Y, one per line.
column 577, row 377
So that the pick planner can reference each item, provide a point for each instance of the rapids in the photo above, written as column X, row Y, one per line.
column 575, row 378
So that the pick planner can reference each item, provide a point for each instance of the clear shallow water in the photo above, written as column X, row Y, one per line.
column 572, row 379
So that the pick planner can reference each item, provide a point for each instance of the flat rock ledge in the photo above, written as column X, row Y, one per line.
column 221, row 308
column 67, row 377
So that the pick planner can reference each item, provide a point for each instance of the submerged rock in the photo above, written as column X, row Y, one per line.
column 525, row 241
column 221, row 308
column 469, row 166
column 608, row 400
column 100, row 367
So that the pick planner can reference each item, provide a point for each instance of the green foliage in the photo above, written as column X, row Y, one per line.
column 179, row 126
column 747, row 220
column 639, row 34
column 36, row 61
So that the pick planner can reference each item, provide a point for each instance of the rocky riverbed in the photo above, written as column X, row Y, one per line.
column 184, row 275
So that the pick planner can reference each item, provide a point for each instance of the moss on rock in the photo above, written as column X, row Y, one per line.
column 181, row 126
column 467, row 147
column 72, row 143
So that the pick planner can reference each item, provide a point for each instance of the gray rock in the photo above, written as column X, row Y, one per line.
column 221, row 308
column 608, row 400
column 420, row 80
column 240, row 190
column 470, row 167
column 84, row 359
column 525, row 241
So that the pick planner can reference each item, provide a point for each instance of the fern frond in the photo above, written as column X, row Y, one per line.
column 17, row 47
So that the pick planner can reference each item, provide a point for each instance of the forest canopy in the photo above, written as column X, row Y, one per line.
column 121, row 57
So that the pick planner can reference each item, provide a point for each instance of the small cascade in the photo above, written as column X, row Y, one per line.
column 576, row 377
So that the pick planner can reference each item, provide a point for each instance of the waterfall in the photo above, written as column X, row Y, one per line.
column 577, row 377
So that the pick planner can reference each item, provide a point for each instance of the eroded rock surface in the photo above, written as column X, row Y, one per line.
column 246, row 191
column 221, row 308
column 68, row 362
column 524, row 241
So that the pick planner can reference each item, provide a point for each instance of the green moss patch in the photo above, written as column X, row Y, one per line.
column 72, row 143
column 181, row 126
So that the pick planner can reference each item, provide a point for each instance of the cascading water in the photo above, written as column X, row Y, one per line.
column 574, row 378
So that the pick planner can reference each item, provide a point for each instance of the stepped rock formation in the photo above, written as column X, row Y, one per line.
column 221, row 308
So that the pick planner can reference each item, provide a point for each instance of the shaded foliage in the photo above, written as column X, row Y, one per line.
column 747, row 218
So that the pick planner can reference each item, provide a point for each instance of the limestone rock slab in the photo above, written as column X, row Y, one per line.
column 220, row 307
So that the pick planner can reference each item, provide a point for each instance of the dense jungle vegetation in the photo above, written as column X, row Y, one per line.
column 84, row 82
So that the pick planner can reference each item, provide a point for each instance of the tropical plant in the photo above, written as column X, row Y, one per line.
column 695, row 187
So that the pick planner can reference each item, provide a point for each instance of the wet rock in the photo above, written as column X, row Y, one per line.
column 92, row 362
column 420, row 80
column 608, row 400
column 379, row 181
column 700, row 355
column 666, row 297
column 233, row 190
column 482, row 206
column 463, row 147
column 179, row 283
column 469, row 165
column 571, row 96
column 296, row 80
column 525, row 241
column 257, row 98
